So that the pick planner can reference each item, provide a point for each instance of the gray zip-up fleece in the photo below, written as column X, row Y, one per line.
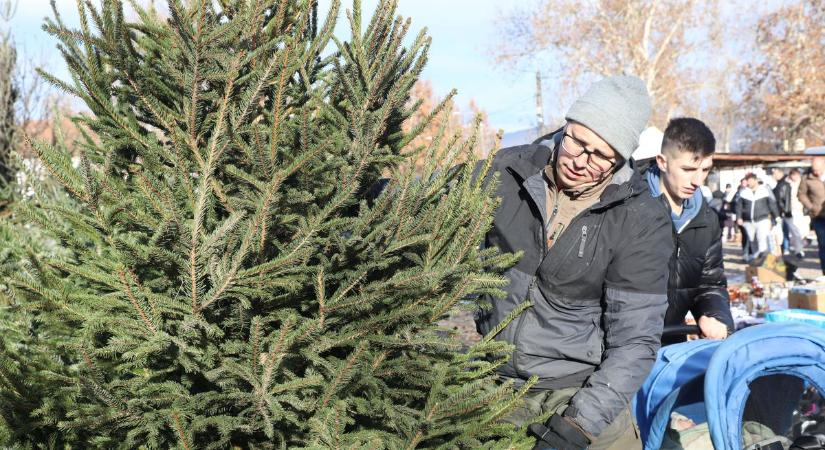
column 599, row 293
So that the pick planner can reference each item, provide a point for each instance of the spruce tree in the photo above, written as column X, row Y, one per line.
column 244, row 263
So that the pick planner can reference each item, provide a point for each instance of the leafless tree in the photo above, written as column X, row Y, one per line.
column 785, row 85
column 661, row 41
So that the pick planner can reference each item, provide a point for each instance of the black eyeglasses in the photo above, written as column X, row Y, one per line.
column 595, row 160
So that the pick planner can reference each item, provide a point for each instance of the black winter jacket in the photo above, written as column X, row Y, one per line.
column 782, row 193
column 598, row 294
column 753, row 206
column 697, row 281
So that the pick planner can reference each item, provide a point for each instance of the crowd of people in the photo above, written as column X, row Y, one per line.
column 774, row 219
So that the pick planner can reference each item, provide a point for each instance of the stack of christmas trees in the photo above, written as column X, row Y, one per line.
column 242, row 262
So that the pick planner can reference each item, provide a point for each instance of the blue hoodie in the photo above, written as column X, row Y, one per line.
column 690, row 207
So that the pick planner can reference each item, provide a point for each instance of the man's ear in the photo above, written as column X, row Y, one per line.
column 661, row 161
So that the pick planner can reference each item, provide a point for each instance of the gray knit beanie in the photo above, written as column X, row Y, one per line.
column 617, row 109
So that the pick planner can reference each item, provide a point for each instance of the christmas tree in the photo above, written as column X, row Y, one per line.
column 243, row 262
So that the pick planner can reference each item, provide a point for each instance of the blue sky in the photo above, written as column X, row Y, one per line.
column 463, row 31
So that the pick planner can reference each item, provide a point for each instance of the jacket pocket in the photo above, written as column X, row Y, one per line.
column 578, row 258
column 563, row 329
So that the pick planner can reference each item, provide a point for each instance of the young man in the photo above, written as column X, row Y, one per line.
column 792, row 240
column 812, row 196
column 597, row 285
column 756, row 212
column 697, row 280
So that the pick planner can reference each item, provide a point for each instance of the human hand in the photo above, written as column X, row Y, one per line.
column 739, row 222
column 558, row 433
column 712, row 328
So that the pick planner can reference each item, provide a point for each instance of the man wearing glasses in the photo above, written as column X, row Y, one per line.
column 596, row 248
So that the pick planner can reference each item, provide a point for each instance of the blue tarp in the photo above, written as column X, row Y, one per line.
column 814, row 318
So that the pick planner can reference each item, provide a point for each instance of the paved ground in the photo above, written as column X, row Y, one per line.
column 735, row 266
column 462, row 321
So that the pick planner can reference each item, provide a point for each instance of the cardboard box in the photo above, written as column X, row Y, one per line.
column 807, row 297
column 764, row 275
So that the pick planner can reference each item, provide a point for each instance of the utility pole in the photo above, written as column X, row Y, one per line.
column 539, row 106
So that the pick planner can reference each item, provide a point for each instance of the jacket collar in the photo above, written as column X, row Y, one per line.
column 700, row 220
column 762, row 191
column 809, row 176
column 626, row 181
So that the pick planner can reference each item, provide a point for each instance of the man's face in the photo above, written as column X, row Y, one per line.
column 574, row 172
column 753, row 183
column 778, row 175
column 683, row 172
column 818, row 166
column 795, row 176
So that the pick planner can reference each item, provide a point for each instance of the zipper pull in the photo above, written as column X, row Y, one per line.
column 531, row 288
column 584, row 241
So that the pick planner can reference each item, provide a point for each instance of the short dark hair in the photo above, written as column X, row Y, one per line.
column 750, row 175
column 686, row 134
column 795, row 171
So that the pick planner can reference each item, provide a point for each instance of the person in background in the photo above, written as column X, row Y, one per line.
column 756, row 212
column 800, row 219
column 745, row 242
column 729, row 230
column 812, row 196
column 729, row 192
column 717, row 204
column 791, row 239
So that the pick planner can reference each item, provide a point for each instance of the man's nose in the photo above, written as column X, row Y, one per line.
column 581, row 160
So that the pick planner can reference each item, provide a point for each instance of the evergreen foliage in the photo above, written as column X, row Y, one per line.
column 29, row 356
column 8, row 98
column 235, row 272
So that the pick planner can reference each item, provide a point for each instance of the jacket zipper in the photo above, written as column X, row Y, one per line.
column 521, row 323
column 544, row 256
column 584, row 241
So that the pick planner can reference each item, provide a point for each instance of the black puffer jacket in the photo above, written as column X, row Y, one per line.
column 753, row 206
column 697, row 281
column 599, row 294
column 782, row 192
